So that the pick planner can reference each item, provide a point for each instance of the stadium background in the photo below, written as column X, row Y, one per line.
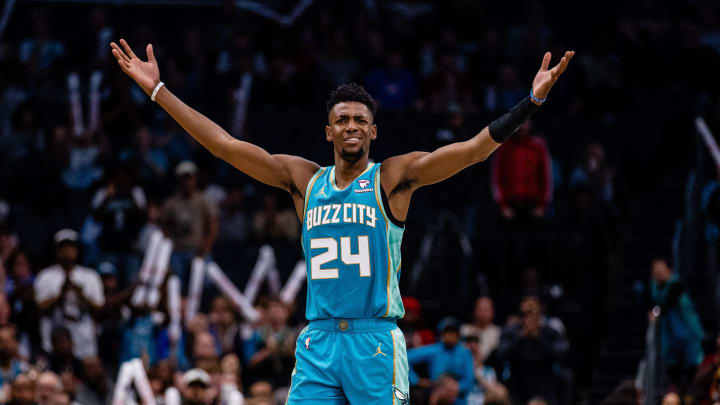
column 440, row 71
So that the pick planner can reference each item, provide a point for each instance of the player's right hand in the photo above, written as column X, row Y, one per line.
column 145, row 74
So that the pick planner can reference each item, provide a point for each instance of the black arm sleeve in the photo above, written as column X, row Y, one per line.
column 503, row 127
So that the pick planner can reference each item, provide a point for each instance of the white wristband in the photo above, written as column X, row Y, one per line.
column 155, row 92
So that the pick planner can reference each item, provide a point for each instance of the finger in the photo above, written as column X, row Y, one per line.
column 127, row 48
column 150, row 53
column 561, row 66
column 120, row 55
column 123, row 65
column 545, row 62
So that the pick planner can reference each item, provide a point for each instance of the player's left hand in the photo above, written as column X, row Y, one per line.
column 546, row 78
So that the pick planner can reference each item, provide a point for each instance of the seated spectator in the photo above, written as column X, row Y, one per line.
column 160, row 377
column 11, row 365
column 412, row 325
column 199, row 389
column 447, row 357
column 522, row 181
column 445, row 391
column 69, row 295
column 96, row 387
column 671, row 398
column 485, row 378
column 261, row 390
column 224, row 325
column 483, row 328
column 679, row 325
column 275, row 357
column 22, row 391
column 61, row 359
column 204, row 349
column 111, row 317
column 531, row 350
column 195, row 391
column 49, row 388
column 21, row 296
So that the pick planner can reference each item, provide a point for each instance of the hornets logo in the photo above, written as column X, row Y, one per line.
column 403, row 399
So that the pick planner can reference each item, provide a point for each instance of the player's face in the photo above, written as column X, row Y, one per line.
column 350, row 128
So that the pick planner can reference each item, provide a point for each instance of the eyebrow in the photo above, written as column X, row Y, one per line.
column 356, row 116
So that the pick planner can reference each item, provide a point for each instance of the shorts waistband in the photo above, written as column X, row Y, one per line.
column 354, row 325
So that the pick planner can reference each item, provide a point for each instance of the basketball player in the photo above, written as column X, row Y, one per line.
column 352, row 217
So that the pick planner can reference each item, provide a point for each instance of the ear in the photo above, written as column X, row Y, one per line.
column 373, row 131
column 328, row 133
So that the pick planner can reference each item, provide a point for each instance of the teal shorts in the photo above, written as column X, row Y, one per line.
column 356, row 361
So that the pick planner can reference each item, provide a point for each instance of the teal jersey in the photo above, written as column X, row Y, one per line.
column 352, row 250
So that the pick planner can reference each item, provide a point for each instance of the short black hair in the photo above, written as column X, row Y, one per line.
column 351, row 92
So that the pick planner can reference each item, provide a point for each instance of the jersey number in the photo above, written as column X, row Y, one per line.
column 362, row 258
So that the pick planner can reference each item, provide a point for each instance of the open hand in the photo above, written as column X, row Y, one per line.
column 545, row 79
column 145, row 74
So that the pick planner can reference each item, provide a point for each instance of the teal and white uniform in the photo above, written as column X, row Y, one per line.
column 352, row 350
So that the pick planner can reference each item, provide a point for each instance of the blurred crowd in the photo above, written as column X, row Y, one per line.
column 90, row 168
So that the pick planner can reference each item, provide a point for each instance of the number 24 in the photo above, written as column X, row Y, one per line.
column 362, row 258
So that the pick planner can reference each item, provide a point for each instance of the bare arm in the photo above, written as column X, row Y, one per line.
column 290, row 173
column 417, row 169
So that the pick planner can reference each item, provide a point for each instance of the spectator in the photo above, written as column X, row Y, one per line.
column 275, row 358
column 671, row 398
column 39, row 52
column 196, row 388
column 393, row 86
column 11, row 365
column 531, row 350
column 49, row 388
column 83, row 169
column 119, row 208
column 679, row 326
column 595, row 174
column 483, row 328
column 111, row 317
column 445, row 357
column 61, row 360
column 522, row 181
column 69, row 295
column 272, row 222
column 190, row 220
column 21, row 296
column 96, row 387
column 485, row 384
column 233, row 218
column 412, row 325
column 261, row 390
column 224, row 325
column 160, row 377
column 204, row 349
column 445, row 391
column 22, row 391
column 148, row 161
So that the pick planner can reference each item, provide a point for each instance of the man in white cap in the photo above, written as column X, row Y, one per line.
column 190, row 220
column 196, row 383
column 69, row 295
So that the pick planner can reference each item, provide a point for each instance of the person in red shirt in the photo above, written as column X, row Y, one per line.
column 522, row 176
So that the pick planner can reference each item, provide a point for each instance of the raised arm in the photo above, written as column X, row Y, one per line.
column 290, row 173
column 416, row 169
